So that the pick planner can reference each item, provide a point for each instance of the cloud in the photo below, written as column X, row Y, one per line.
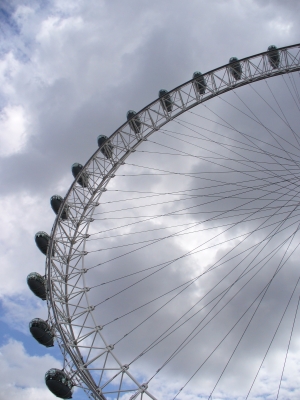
column 70, row 71
column 13, row 130
column 23, row 375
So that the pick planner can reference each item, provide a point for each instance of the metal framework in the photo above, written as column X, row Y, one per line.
column 82, row 341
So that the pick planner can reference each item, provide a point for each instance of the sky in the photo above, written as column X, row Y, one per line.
column 69, row 71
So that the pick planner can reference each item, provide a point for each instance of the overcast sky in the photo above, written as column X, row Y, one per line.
column 69, row 71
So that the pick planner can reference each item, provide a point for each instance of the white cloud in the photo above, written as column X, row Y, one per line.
column 22, row 216
column 22, row 374
column 72, row 71
column 13, row 312
column 9, row 68
column 13, row 130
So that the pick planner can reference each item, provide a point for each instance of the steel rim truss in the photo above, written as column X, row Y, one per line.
column 70, row 312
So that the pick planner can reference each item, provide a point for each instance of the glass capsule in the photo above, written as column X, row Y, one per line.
column 199, row 83
column 76, row 170
column 59, row 383
column 134, row 121
column 165, row 100
column 42, row 332
column 273, row 56
column 37, row 284
column 235, row 68
column 107, row 149
column 42, row 240
column 56, row 202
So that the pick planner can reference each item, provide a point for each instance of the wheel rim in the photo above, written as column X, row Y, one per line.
column 68, row 238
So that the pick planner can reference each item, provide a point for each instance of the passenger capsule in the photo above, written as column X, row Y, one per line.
column 37, row 285
column 59, row 383
column 165, row 100
column 41, row 331
column 107, row 149
column 235, row 68
column 199, row 83
column 273, row 57
column 42, row 240
column 83, row 180
column 134, row 121
column 56, row 201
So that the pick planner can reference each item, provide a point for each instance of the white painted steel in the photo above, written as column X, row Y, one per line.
column 67, row 295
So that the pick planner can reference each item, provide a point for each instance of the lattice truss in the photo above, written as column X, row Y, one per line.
column 90, row 359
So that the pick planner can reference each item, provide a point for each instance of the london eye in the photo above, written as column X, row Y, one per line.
column 177, row 241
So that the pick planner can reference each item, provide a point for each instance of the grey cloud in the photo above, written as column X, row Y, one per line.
column 78, row 82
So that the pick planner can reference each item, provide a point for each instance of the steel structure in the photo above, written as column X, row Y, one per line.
column 70, row 311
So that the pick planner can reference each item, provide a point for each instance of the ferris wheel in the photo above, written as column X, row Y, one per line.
column 170, row 250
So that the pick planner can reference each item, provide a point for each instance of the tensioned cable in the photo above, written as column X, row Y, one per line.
column 205, row 157
column 284, row 119
column 247, row 326
column 152, row 273
column 217, row 314
column 189, row 280
column 190, row 174
column 155, row 266
column 291, row 77
column 174, row 193
column 294, row 86
column 244, row 134
column 197, row 277
column 177, row 193
column 253, row 147
column 295, row 90
column 281, row 224
column 193, row 174
column 186, row 233
column 235, row 208
column 268, row 237
column 256, row 119
column 285, row 164
column 179, row 225
column 241, row 133
column 273, row 338
column 287, row 351
column 146, row 245
column 164, row 266
column 204, row 178
column 261, row 293
column 268, row 130
column 179, row 234
column 176, row 200
column 153, row 194
column 228, row 147
column 224, row 292
column 191, row 197
column 208, row 195
column 247, row 136
column 248, row 160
